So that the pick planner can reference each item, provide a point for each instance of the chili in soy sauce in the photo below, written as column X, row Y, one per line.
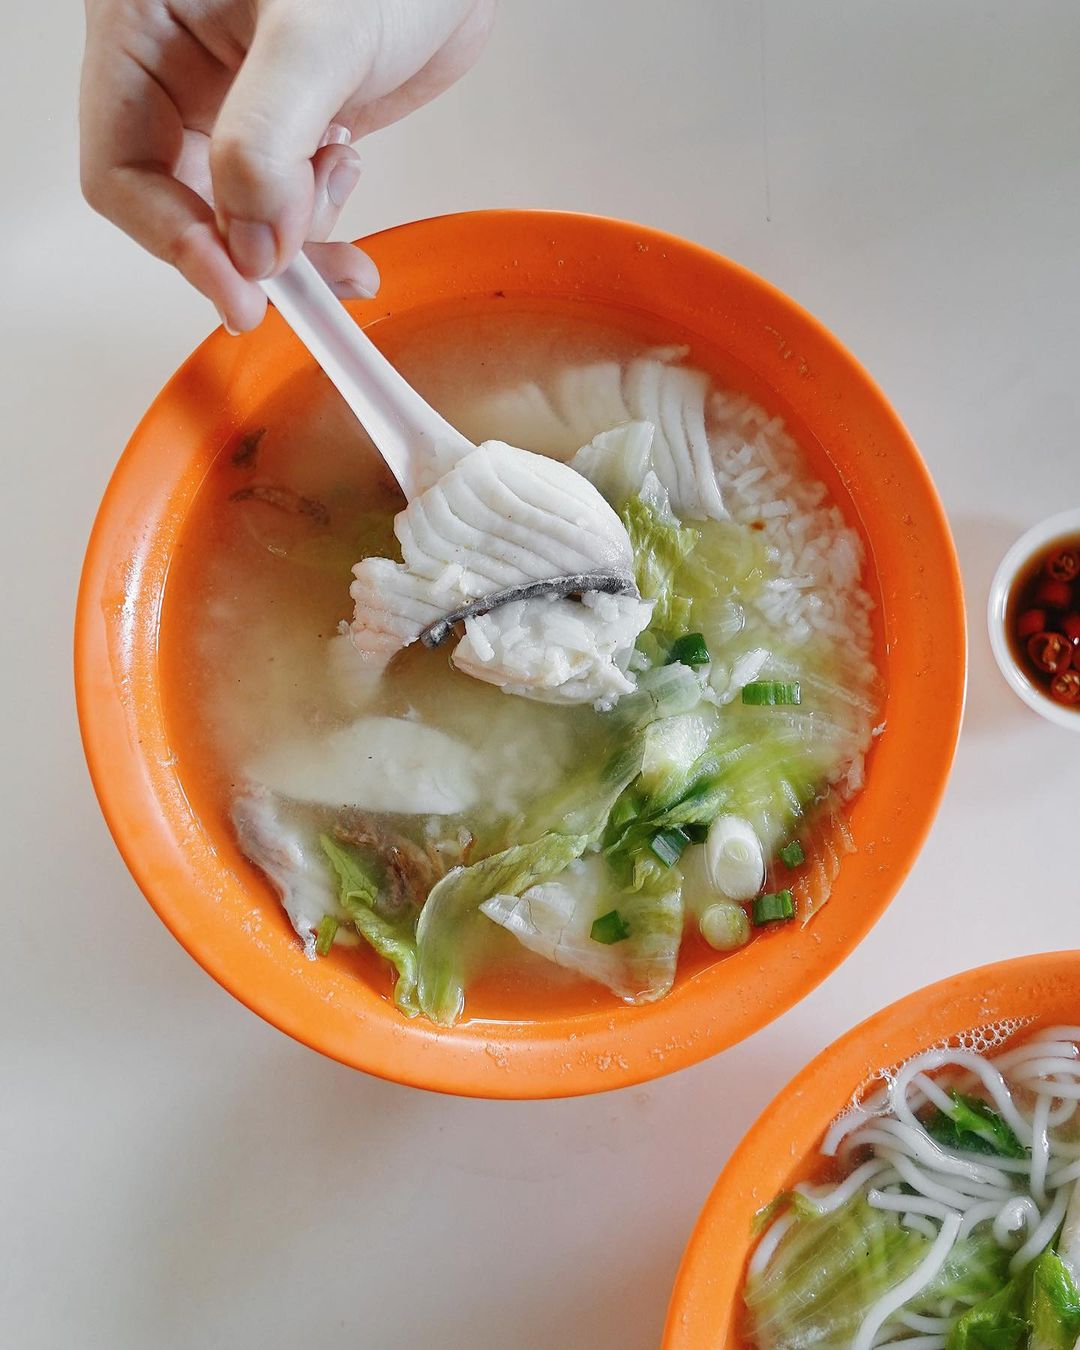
column 1043, row 620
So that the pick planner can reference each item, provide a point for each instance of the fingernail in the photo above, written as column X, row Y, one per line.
column 253, row 248
column 351, row 290
column 362, row 282
column 343, row 178
column 336, row 134
column 232, row 332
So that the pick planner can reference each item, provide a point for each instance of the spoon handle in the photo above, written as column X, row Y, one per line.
column 415, row 441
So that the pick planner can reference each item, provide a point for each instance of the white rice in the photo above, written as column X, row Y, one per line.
column 816, row 593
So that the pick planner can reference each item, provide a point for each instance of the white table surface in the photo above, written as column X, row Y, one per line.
column 174, row 1173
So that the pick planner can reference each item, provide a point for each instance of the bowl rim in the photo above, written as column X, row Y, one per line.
column 1021, row 552
column 963, row 1001
column 524, row 1059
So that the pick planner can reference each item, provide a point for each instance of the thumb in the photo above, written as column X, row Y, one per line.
column 293, row 80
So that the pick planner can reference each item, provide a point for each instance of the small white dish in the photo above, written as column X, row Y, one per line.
column 1036, row 539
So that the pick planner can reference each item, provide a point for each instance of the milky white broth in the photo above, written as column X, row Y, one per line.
column 257, row 592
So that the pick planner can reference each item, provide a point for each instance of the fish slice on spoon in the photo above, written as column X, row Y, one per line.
column 485, row 527
column 418, row 445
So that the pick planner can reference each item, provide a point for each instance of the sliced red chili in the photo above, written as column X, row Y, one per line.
column 1070, row 626
column 1053, row 594
column 1066, row 687
column 1064, row 565
column 1050, row 652
column 1032, row 621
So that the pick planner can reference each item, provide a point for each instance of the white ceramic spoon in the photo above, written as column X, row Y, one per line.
column 417, row 444
column 420, row 447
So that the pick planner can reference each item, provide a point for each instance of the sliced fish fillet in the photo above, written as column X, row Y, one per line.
column 586, row 400
column 499, row 519
column 560, row 651
column 376, row 764
column 290, row 857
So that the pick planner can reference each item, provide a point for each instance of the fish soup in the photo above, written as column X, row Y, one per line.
column 574, row 799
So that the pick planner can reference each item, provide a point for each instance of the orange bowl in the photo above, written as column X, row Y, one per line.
column 779, row 1147
column 187, row 863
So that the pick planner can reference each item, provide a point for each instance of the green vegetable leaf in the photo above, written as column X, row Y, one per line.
column 974, row 1127
column 997, row 1323
column 324, row 937
column 660, row 546
column 355, row 876
column 358, row 891
column 830, row 1269
column 827, row 1272
column 443, row 940
column 1053, row 1305
column 559, row 921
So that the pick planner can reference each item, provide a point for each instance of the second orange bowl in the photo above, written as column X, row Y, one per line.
column 704, row 1311
column 188, row 865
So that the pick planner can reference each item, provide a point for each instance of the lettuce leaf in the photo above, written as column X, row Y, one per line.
column 826, row 1273
column 1039, row 1310
column 555, row 920
column 973, row 1126
column 616, row 461
column 997, row 1323
column 358, row 890
column 1053, row 1305
column 830, row 1269
column 774, row 765
column 660, row 547
column 975, row 1269
column 445, row 945
column 584, row 804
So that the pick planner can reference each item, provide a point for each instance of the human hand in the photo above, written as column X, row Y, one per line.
column 217, row 132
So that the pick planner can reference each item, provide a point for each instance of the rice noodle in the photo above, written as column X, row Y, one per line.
column 922, row 1342
column 909, row 1204
column 1040, row 1149
column 916, row 1322
column 977, row 1214
column 1014, row 1216
column 1042, row 1234
column 1070, row 1172
column 768, row 1243
column 924, row 1184
column 826, row 1201
column 992, row 1081
column 919, row 1146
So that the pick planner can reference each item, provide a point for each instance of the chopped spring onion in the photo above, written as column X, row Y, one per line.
column 697, row 831
column 325, row 934
column 792, row 855
column 734, row 858
column 773, row 908
column 771, row 693
column 668, row 845
column 725, row 926
column 689, row 650
column 609, row 928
